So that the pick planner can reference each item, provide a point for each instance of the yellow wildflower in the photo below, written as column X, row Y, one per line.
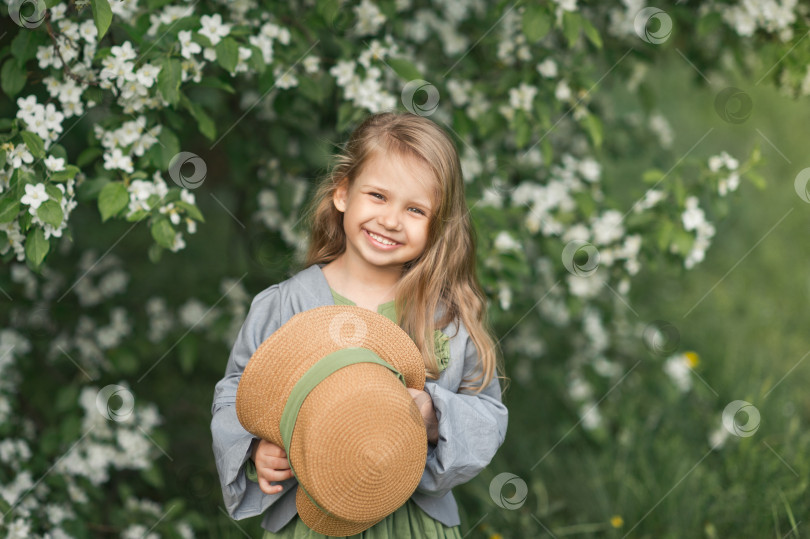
column 617, row 521
column 693, row 359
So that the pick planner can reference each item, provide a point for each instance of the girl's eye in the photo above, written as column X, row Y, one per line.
column 380, row 197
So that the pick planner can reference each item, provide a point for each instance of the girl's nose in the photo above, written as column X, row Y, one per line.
column 389, row 220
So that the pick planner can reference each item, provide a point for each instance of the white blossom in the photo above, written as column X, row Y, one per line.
column 369, row 18
column 213, row 28
column 34, row 195
column 547, row 68
column 188, row 47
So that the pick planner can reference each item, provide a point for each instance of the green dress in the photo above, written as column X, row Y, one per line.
column 407, row 521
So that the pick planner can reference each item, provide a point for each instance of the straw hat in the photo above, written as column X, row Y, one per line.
column 359, row 445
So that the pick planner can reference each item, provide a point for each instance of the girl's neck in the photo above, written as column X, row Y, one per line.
column 361, row 281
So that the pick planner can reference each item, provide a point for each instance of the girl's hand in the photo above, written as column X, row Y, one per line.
column 271, row 465
column 425, row 404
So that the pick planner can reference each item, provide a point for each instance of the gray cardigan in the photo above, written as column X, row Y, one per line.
column 471, row 427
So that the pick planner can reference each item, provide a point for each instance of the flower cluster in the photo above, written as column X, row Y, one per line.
column 43, row 120
column 366, row 91
column 724, row 161
column 771, row 16
column 694, row 219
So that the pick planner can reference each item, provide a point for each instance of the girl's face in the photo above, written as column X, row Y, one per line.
column 387, row 211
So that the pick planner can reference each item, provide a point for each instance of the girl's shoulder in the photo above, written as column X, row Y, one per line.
column 306, row 286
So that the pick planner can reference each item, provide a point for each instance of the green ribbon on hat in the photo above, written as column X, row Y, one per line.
column 314, row 376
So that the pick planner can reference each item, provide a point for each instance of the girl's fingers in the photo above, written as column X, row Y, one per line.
column 278, row 464
column 266, row 487
column 269, row 488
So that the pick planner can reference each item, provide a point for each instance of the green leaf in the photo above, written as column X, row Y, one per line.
column 664, row 234
column 523, row 131
column 591, row 33
column 594, row 127
column 12, row 77
column 572, row 23
column 88, row 155
column 25, row 221
column 683, row 241
column 256, row 60
column 34, row 143
column 102, row 14
column 188, row 351
column 53, row 192
column 328, row 9
column 404, row 68
column 168, row 80
column 310, row 89
column 191, row 210
column 50, row 212
column 204, row 122
column 709, row 24
column 347, row 114
column 112, row 199
column 155, row 252
column 536, row 23
column 169, row 147
column 58, row 151
column 137, row 216
column 653, row 175
column 153, row 477
column 227, row 53
column 163, row 232
column 9, row 208
column 36, row 247
column 214, row 82
column 90, row 189
column 756, row 178
column 66, row 398
column 64, row 175
column 23, row 46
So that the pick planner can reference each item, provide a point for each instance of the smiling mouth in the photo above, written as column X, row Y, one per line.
column 381, row 239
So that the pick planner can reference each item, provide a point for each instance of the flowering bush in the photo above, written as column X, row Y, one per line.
column 117, row 112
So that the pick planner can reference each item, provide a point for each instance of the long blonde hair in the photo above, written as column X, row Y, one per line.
column 446, row 270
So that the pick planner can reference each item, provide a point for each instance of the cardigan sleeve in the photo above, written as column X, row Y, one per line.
column 471, row 427
column 231, row 442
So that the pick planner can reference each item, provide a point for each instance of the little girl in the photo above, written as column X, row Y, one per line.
column 390, row 232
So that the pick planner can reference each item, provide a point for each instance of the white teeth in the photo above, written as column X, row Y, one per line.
column 381, row 239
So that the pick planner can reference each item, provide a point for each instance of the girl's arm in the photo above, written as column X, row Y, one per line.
column 231, row 442
column 471, row 427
